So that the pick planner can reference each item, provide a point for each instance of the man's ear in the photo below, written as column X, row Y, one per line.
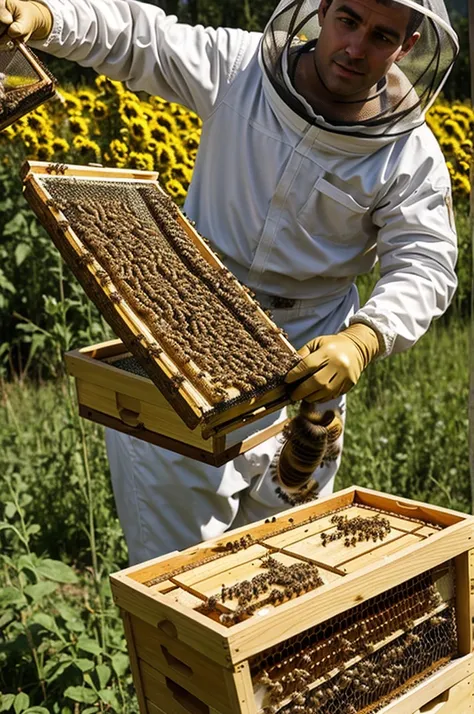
column 408, row 46
column 322, row 10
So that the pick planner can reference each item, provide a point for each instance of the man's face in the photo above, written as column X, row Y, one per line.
column 359, row 42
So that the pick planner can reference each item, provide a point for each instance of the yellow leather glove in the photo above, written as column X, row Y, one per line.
column 333, row 363
column 24, row 20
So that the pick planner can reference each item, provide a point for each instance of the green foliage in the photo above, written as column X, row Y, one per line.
column 43, row 310
column 62, row 639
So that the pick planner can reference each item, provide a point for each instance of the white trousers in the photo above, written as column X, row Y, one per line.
column 168, row 502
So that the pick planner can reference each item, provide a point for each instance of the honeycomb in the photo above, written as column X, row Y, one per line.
column 360, row 660
column 196, row 312
column 21, row 86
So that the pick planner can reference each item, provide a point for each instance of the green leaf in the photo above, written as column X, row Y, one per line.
column 5, row 620
column 89, row 710
column 40, row 590
column 85, row 665
column 26, row 562
column 11, row 596
column 10, row 509
column 109, row 697
column 120, row 663
column 56, row 570
column 22, row 251
column 6, row 702
column 81, row 694
column 88, row 645
column 103, row 673
column 22, row 702
column 46, row 621
column 37, row 710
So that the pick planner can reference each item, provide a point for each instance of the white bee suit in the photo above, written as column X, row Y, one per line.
column 296, row 209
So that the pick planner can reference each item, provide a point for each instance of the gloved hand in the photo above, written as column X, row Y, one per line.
column 333, row 363
column 24, row 20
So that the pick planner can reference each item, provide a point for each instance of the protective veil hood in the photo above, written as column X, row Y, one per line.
column 398, row 101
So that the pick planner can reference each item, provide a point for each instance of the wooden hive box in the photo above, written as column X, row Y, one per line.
column 131, row 403
column 175, row 400
column 388, row 627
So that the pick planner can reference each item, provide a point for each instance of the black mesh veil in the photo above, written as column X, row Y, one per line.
column 400, row 99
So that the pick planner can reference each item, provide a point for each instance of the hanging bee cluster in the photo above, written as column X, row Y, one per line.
column 197, row 312
column 310, row 440
column 357, row 530
column 347, row 661
column 292, row 581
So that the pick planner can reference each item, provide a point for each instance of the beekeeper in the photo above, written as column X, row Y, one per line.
column 315, row 162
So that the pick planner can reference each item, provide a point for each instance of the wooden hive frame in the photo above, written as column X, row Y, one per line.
column 191, row 405
column 38, row 92
column 185, row 661
column 133, row 405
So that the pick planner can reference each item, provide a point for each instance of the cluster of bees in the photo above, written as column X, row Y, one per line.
column 292, row 581
column 245, row 541
column 310, row 672
column 197, row 313
column 356, row 530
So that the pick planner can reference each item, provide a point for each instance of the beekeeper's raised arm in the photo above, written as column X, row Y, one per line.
column 136, row 43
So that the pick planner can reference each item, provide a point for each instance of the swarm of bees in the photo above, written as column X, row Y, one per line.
column 357, row 530
column 292, row 581
column 197, row 312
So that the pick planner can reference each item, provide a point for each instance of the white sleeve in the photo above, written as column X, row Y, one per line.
column 417, row 251
column 138, row 44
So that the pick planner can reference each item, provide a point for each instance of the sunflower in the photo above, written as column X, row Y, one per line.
column 129, row 109
column 45, row 152
column 30, row 140
column 181, row 173
column 99, row 110
column 167, row 120
column 108, row 86
column 118, row 150
column 141, row 160
column 70, row 101
column 86, row 148
column 159, row 133
column 165, row 156
column 78, row 125
column 60, row 146
column 175, row 189
column 139, row 131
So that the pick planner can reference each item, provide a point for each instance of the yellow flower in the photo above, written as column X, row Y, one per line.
column 108, row 86
column 160, row 133
column 461, row 185
column 78, row 125
column 86, row 148
column 71, row 102
column 99, row 110
column 181, row 173
column 60, row 146
column 165, row 156
column 139, row 131
column 175, row 189
column 37, row 122
column 129, row 109
column 167, row 120
column 191, row 142
column 118, row 150
column 29, row 139
column 45, row 152
column 141, row 161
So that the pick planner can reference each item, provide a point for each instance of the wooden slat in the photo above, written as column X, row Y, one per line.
column 134, row 665
column 191, row 628
column 463, row 603
column 458, row 699
column 407, row 507
column 223, row 567
column 190, row 669
column 381, row 552
column 246, row 571
column 426, row 691
column 248, row 638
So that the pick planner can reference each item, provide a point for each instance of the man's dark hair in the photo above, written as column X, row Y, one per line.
column 416, row 18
